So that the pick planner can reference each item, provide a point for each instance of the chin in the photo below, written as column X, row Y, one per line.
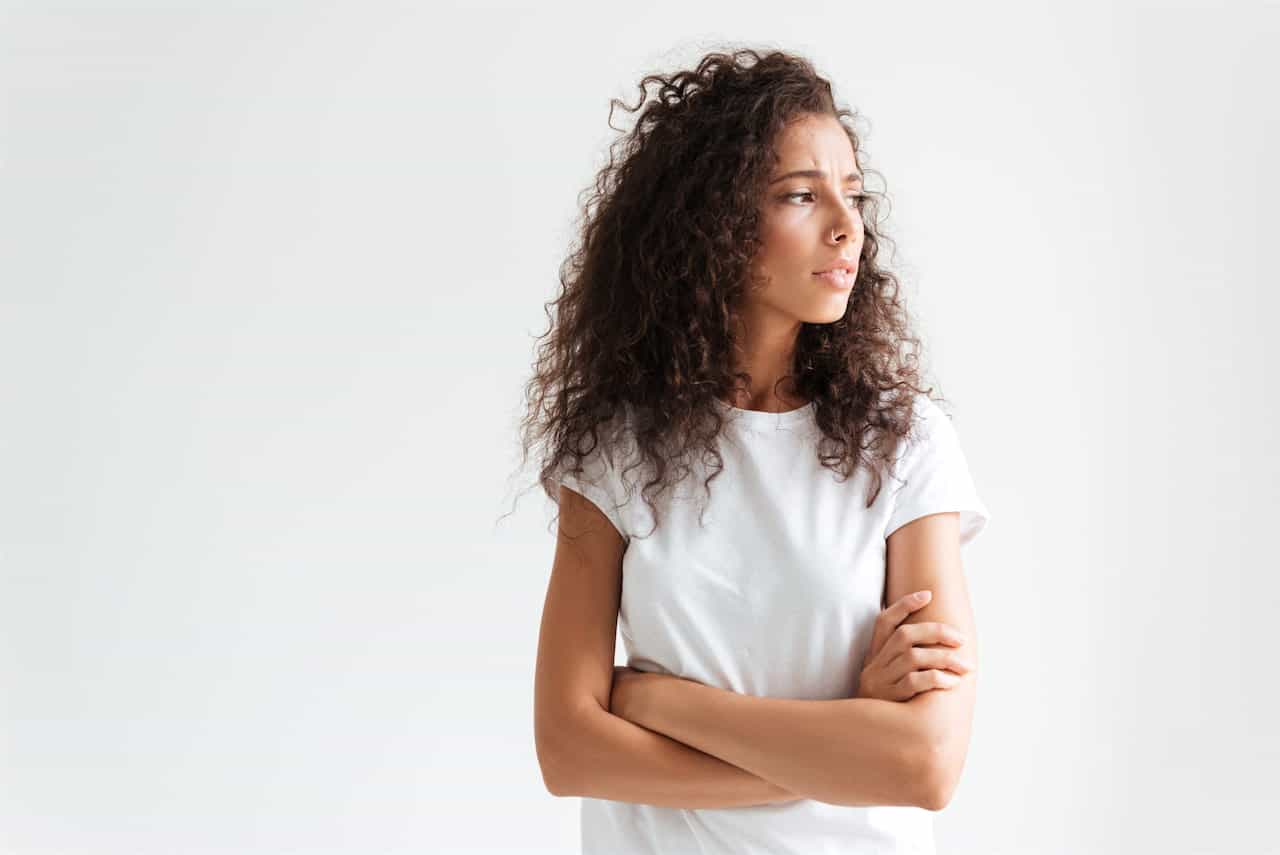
column 828, row 314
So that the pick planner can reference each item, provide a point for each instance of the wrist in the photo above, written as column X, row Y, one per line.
column 644, row 702
column 634, row 695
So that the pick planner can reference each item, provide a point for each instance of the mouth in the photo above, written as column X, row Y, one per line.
column 840, row 278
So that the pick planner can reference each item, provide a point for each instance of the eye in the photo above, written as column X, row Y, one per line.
column 856, row 197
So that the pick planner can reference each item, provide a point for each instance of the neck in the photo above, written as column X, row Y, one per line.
column 766, row 354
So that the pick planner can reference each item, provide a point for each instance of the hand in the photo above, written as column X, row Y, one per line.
column 896, row 669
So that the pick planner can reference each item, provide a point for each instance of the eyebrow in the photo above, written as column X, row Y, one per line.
column 816, row 173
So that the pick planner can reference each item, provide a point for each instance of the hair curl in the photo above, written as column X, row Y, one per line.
column 645, row 321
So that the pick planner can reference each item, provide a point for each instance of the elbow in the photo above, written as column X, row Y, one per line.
column 936, row 796
column 554, row 765
column 556, row 787
column 938, row 779
column 557, row 744
column 553, row 777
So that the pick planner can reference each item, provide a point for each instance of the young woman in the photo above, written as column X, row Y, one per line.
column 751, row 485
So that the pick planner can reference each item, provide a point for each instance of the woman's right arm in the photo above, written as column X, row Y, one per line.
column 582, row 748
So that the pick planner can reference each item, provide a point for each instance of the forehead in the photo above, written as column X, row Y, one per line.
column 815, row 141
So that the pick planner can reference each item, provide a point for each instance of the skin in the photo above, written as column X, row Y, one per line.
column 807, row 222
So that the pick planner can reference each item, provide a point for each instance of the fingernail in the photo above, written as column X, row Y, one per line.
column 921, row 595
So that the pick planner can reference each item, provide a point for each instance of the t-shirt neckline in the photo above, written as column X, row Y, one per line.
column 761, row 418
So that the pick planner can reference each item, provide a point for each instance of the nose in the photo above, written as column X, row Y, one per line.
column 845, row 227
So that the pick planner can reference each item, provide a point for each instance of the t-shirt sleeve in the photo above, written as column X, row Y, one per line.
column 933, row 477
column 598, row 483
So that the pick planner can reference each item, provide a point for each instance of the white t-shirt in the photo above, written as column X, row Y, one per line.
column 775, row 595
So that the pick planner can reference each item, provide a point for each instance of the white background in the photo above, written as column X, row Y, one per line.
column 271, row 278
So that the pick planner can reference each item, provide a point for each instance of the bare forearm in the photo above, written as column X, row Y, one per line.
column 608, row 757
column 850, row 751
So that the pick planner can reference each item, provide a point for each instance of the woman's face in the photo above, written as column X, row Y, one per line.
column 809, row 222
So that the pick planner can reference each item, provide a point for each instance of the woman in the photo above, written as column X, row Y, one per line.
column 723, row 394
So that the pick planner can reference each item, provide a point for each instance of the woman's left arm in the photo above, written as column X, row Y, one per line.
column 850, row 751
column 846, row 751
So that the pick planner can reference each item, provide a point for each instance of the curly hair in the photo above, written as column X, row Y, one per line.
column 644, row 324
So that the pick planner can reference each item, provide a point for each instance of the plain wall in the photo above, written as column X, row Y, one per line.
column 270, row 278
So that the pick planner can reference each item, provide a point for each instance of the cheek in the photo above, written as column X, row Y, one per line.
column 785, row 244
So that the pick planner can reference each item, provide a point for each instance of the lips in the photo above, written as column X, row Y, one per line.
column 838, row 278
column 845, row 264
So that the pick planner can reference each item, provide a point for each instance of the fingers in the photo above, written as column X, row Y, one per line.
column 915, row 682
column 932, row 632
column 908, row 635
column 898, row 612
column 896, row 667
column 889, row 619
column 921, row 669
column 924, row 658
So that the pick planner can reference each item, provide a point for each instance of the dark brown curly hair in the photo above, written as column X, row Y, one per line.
column 644, row 324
